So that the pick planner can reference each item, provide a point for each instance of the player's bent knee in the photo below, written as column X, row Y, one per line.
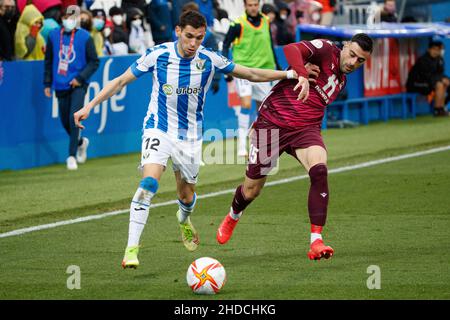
column 187, row 199
column 318, row 171
column 149, row 184
column 188, row 203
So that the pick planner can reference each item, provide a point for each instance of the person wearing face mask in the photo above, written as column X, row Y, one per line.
column 427, row 78
column 278, row 26
column 7, row 13
column 70, row 61
column 119, row 35
column 107, row 30
column 135, row 26
column 87, row 23
column 98, row 30
column 29, row 43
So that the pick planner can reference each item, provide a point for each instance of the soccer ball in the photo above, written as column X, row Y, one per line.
column 206, row 276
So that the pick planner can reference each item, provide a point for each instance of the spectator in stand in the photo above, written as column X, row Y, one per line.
column 86, row 20
column 219, row 13
column 106, row 5
column 303, row 11
column 107, row 33
column 51, row 10
column 7, row 13
column 119, row 35
column 158, row 14
column 131, row 4
column 327, row 12
column 221, row 21
column 135, row 18
column 278, row 26
column 87, row 23
column 388, row 11
column 98, row 25
column 282, row 20
column 29, row 44
column 427, row 78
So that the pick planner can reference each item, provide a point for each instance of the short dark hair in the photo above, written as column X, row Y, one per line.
column 364, row 41
column 433, row 44
column 192, row 18
column 114, row 11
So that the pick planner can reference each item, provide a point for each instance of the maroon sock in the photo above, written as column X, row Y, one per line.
column 318, row 194
column 239, row 201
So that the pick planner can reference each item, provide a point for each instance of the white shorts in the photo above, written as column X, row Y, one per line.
column 157, row 147
column 257, row 90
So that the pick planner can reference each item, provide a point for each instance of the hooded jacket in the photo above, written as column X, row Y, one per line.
column 29, row 17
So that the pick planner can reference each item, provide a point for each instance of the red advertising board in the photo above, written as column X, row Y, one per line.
column 387, row 69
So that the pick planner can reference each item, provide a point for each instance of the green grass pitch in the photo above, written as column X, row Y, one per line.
column 395, row 216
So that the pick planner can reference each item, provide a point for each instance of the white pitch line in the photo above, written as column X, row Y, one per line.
column 228, row 191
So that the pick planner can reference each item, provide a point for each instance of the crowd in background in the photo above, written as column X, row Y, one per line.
column 121, row 27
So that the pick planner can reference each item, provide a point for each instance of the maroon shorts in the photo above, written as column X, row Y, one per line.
column 268, row 142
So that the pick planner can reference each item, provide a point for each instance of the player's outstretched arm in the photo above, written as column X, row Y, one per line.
column 261, row 75
column 108, row 91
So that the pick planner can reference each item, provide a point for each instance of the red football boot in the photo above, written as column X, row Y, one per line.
column 226, row 229
column 318, row 250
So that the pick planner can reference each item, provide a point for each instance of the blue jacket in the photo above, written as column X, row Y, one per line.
column 159, row 15
column 83, row 60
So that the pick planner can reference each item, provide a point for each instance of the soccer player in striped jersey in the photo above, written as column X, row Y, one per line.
column 182, row 73
column 291, row 123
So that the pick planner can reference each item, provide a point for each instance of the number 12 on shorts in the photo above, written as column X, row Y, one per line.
column 154, row 143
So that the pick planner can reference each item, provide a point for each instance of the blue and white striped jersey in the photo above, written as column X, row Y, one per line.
column 179, row 88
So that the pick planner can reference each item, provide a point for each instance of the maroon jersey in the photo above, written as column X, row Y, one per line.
column 281, row 106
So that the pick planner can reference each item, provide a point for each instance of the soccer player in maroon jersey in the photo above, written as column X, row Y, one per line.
column 290, row 122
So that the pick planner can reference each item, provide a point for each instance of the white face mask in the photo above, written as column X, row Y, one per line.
column 283, row 17
column 117, row 19
column 69, row 24
column 315, row 16
column 442, row 52
column 137, row 22
column 106, row 32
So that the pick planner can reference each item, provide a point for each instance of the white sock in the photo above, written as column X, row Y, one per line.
column 186, row 210
column 139, row 210
column 315, row 236
column 244, row 122
column 235, row 216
